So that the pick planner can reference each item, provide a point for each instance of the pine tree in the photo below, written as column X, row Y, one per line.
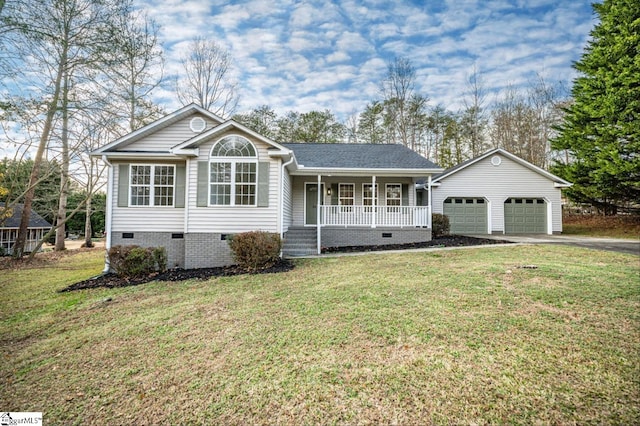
column 601, row 129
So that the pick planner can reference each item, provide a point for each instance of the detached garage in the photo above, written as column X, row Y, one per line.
column 499, row 193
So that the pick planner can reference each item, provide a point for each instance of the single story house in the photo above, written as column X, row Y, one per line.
column 499, row 193
column 190, row 179
column 36, row 230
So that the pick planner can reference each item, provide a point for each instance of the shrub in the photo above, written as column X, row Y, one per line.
column 440, row 225
column 256, row 250
column 136, row 261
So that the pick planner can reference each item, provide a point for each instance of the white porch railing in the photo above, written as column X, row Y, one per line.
column 396, row 216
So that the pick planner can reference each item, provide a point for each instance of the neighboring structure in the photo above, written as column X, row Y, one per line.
column 190, row 179
column 499, row 193
column 37, row 229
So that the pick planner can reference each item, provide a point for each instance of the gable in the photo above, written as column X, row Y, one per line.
column 162, row 140
column 166, row 134
column 502, row 155
column 508, row 173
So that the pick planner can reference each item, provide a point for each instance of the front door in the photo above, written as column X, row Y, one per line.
column 311, row 203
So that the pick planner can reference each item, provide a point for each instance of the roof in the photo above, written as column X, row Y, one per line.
column 161, row 123
column 561, row 183
column 358, row 156
column 35, row 220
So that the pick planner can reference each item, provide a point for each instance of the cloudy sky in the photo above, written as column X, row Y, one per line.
column 314, row 55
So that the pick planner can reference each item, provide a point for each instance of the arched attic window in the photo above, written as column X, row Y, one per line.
column 233, row 172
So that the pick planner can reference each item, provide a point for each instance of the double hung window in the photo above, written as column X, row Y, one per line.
column 369, row 194
column 394, row 195
column 346, row 196
column 233, row 172
column 151, row 185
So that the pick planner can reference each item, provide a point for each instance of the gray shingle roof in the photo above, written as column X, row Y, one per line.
column 358, row 156
column 35, row 220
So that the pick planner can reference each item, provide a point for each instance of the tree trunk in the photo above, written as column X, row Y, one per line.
column 21, row 238
column 64, row 177
column 88, row 231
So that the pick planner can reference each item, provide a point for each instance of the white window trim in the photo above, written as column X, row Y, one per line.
column 352, row 185
column 375, row 194
column 386, row 193
column 233, row 183
column 152, row 186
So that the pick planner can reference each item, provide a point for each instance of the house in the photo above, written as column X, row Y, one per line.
column 36, row 230
column 191, row 179
column 499, row 193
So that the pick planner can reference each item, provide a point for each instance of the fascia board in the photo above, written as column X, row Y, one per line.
column 328, row 171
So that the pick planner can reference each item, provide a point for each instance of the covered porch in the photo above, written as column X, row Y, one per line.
column 350, row 210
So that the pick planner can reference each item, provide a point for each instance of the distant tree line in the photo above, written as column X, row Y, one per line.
column 519, row 120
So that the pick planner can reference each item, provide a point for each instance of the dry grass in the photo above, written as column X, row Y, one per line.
column 464, row 337
column 620, row 226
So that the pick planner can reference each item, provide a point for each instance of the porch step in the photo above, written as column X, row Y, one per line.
column 299, row 242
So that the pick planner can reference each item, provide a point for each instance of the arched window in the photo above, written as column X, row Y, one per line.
column 233, row 173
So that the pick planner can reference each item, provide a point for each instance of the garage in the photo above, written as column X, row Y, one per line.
column 525, row 216
column 466, row 215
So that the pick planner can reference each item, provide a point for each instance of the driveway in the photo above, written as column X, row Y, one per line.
column 610, row 244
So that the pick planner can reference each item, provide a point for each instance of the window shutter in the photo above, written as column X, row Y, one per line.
column 405, row 194
column 263, row 184
column 181, row 176
column 203, row 184
column 123, row 185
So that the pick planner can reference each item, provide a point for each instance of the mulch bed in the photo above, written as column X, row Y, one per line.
column 448, row 241
column 112, row 280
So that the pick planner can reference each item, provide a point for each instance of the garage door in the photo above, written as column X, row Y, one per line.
column 525, row 216
column 466, row 215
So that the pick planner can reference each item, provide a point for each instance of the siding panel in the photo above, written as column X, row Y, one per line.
column 131, row 219
column 170, row 136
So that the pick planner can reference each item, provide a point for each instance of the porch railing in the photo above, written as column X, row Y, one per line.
column 395, row 216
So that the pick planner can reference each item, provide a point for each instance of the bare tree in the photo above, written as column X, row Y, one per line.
column 473, row 118
column 206, row 79
column 60, row 39
column 136, row 68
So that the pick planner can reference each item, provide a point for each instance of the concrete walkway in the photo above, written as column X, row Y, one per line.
column 610, row 244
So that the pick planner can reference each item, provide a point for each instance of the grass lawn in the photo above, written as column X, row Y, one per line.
column 446, row 337
column 620, row 226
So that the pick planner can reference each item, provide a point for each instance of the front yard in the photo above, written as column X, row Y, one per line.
column 520, row 334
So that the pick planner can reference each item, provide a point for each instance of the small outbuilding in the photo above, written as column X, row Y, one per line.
column 499, row 193
column 37, row 229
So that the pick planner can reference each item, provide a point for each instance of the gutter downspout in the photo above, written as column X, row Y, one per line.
column 430, row 207
column 108, row 215
column 318, row 236
column 282, row 170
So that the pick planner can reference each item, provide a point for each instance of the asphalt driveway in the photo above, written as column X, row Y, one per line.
column 610, row 244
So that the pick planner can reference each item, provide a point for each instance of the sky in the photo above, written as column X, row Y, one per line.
column 316, row 55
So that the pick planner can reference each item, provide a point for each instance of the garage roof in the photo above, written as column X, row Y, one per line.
column 559, row 182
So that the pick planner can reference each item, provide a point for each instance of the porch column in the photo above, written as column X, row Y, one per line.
column 374, row 201
column 429, row 201
column 320, row 194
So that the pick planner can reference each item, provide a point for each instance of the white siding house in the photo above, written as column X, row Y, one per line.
column 498, row 193
column 191, row 179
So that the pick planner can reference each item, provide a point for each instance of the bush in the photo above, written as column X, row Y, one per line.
column 256, row 250
column 440, row 225
column 136, row 261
